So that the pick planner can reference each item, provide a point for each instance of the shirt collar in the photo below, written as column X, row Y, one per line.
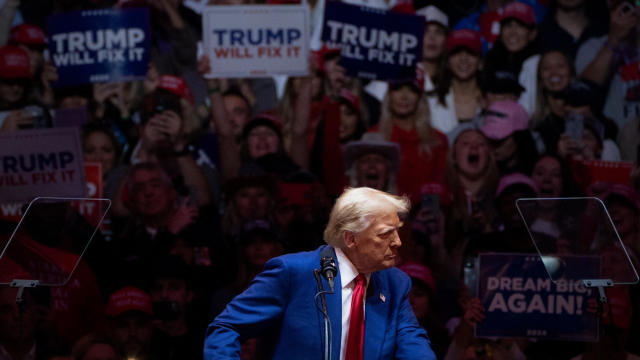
column 348, row 271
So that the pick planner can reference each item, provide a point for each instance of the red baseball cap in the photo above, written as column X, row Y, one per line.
column 351, row 98
column 14, row 63
column 128, row 299
column 27, row 34
column 176, row 85
column 404, row 7
column 519, row 11
column 321, row 55
column 467, row 38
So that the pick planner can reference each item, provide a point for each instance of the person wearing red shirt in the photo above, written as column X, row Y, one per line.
column 405, row 119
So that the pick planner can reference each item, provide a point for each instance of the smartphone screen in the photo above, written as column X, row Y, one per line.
column 574, row 125
column 432, row 202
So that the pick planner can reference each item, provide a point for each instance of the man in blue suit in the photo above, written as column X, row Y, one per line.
column 370, row 314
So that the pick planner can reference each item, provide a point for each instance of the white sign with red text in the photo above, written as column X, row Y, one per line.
column 257, row 40
column 41, row 162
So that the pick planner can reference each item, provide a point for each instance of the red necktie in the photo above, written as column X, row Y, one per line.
column 355, row 336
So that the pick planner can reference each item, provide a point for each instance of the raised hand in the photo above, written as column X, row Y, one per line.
column 183, row 217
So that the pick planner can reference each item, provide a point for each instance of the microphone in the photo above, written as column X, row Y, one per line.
column 328, row 266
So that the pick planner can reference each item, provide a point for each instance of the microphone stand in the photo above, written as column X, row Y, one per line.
column 325, row 314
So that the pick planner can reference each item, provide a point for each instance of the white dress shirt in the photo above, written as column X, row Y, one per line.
column 348, row 273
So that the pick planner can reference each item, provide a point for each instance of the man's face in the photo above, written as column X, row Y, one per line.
column 132, row 332
column 150, row 193
column 261, row 141
column 238, row 112
column 171, row 289
column 375, row 248
column 252, row 202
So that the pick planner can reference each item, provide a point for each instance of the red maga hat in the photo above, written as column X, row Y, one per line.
column 14, row 63
column 27, row 34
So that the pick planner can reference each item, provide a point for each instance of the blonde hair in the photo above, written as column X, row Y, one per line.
column 422, row 123
column 355, row 209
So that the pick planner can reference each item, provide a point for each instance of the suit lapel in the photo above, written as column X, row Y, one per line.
column 375, row 317
column 334, row 307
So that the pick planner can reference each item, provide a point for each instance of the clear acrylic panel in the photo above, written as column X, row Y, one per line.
column 561, row 227
column 50, row 239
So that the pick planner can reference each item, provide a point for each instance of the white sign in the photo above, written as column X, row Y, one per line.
column 257, row 40
column 42, row 162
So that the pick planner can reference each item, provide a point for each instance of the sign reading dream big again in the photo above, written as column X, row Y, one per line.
column 99, row 45
column 521, row 301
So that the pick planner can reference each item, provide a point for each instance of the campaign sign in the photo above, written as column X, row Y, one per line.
column 257, row 40
column 13, row 211
column 374, row 43
column 106, row 45
column 520, row 300
column 41, row 162
column 88, row 208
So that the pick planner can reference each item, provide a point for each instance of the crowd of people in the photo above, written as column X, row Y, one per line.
column 211, row 178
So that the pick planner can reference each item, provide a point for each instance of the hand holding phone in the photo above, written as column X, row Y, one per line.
column 431, row 202
column 574, row 126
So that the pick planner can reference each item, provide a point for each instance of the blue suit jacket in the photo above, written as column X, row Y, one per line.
column 280, row 302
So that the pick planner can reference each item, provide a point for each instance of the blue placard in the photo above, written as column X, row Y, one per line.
column 106, row 45
column 376, row 44
column 520, row 300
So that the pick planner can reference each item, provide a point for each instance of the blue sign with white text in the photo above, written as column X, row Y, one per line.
column 520, row 300
column 105, row 45
column 374, row 43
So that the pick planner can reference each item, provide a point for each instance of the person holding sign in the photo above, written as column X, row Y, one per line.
column 18, row 109
column 406, row 120
column 33, row 40
column 262, row 137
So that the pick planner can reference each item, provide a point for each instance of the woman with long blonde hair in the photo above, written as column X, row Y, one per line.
column 405, row 120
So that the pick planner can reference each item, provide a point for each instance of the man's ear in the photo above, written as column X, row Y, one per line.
column 533, row 33
column 349, row 239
